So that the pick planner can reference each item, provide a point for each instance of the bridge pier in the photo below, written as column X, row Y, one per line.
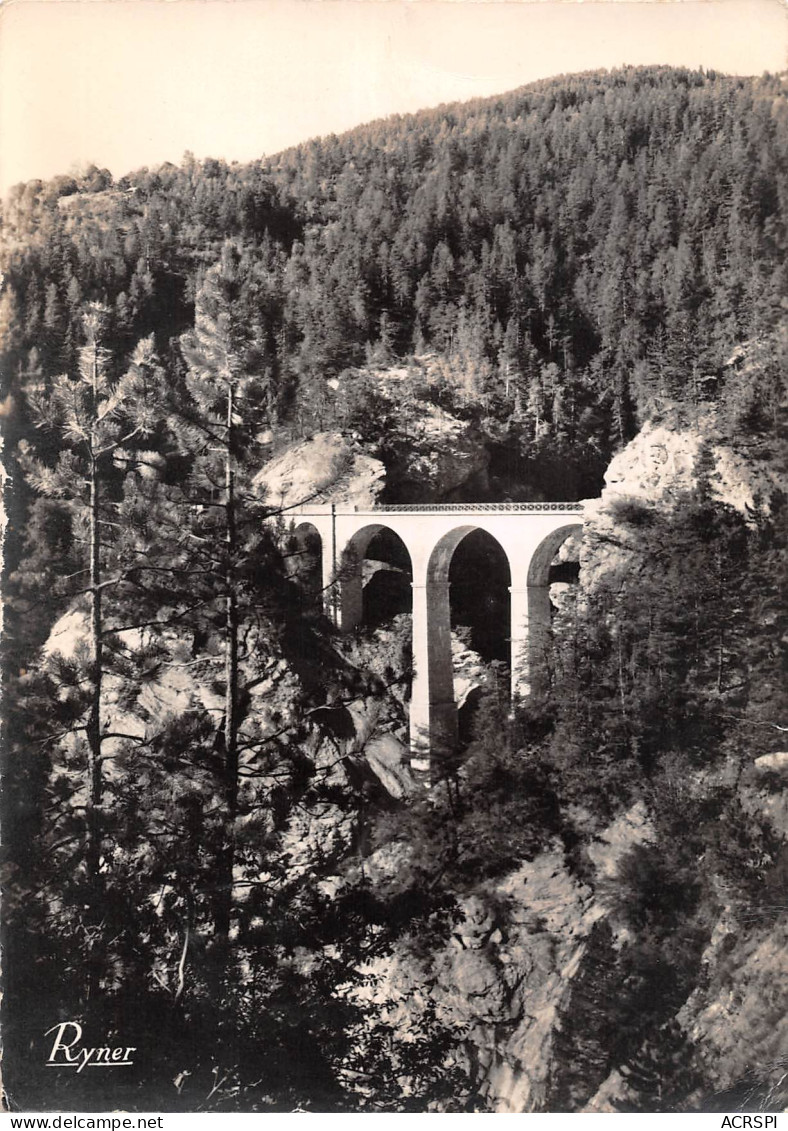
column 531, row 614
column 433, row 711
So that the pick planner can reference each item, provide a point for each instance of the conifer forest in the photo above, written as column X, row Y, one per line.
column 214, row 850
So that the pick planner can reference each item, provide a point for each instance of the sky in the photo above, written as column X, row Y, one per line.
column 127, row 83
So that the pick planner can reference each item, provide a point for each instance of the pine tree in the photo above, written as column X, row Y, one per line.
column 93, row 418
column 218, row 430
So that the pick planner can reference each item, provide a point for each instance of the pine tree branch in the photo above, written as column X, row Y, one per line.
column 76, row 838
column 190, row 570
column 753, row 722
column 99, row 586
column 157, row 622
column 119, row 442
column 182, row 964
column 121, row 734
column 41, row 742
column 62, row 801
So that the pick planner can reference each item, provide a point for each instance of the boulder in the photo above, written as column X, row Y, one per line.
column 389, row 760
column 773, row 763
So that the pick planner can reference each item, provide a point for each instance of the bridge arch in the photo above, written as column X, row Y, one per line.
column 543, row 555
column 304, row 557
column 480, row 578
column 433, row 705
column 532, row 612
column 374, row 543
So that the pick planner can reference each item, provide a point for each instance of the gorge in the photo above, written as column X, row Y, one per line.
column 283, row 443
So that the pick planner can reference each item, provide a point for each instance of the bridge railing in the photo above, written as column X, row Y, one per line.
column 477, row 508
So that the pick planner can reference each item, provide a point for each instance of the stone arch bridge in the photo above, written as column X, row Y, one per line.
column 529, row 534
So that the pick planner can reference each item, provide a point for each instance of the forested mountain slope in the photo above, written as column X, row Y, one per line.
column 214, row 850
column 580, row 250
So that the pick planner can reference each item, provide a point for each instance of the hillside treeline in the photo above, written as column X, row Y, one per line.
column 582, row 250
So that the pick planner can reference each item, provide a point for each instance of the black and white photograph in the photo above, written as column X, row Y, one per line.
column 395, row 557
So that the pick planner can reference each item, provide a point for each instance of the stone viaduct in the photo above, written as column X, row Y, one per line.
column 529, row 534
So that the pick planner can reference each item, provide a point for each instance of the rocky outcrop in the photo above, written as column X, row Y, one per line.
column 773, row 763
column 470, row 670
column 663, row 463
column 430, row 454
column 441, row 458
column 738, row 1021
column 606, row 850
column 506, row 976
column 325, row 468
column 655, row 472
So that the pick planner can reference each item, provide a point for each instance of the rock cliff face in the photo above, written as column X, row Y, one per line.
column 663, row 462
column 655, row 471
column 437, row 459
column 430, row 454
column 502, row 977
column 507, row 975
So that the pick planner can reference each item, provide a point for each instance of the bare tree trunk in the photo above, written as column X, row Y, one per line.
column 227, row 861
column 93, row 815
column 621, row 683
column 94, row 722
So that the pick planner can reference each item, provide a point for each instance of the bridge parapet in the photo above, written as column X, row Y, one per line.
column 437, row 508
column 476, row 508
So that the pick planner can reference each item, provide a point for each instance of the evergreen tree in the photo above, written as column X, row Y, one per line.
column 225, row 413
column 93, row 419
